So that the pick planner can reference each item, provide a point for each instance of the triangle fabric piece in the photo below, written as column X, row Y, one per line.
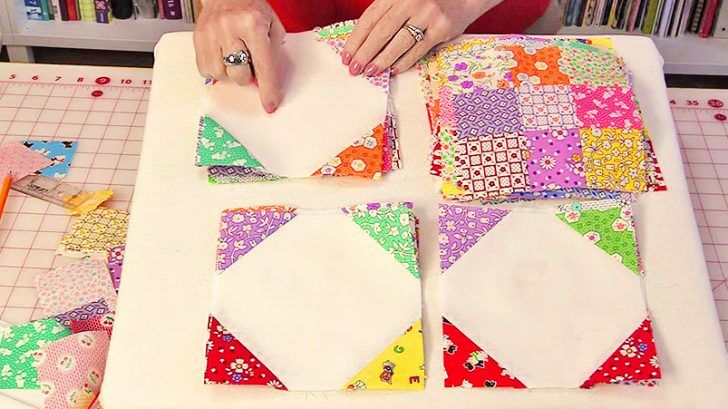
column 335, row 36
column 393, row 227
column 216, row 146
column 243, row 229
column 468, row 366
column 635, row 361
column 461, row 227
column 609, row 228
column 229, row 362
column 400, row 366
column 364, row 158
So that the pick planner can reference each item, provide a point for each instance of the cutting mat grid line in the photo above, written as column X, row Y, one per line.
column 64, row 103
column 701, row 119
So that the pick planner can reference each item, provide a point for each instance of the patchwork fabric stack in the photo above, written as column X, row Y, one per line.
column 238, row 142
column 517, row 118
column 575, row 275
column 316, row 319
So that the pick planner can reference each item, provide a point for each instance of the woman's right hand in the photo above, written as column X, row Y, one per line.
column 228, row 26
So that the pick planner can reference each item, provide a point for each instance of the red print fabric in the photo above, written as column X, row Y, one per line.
column 466, row 365
column 635, row 361
column 230, row 363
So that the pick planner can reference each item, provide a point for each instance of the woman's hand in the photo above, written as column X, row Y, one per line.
column 228, row 26
column 380, row 40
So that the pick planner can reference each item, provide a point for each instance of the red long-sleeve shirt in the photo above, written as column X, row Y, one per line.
column 510, row 16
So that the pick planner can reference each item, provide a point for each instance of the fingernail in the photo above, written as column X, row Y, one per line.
column 269, row 107
column 345, row 58
column 370, row 70
column 355, row 68
column 393, row 71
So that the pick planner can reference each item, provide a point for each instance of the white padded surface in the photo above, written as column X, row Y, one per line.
column 157, row 353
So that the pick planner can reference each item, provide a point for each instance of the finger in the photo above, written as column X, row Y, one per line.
column 380, row 35
column 399, row 45
column 413, row 55
column 264, row 56
column 200, row 53
column 213, row 60
column 241, row 74
column 277, row 32
column 363, row 27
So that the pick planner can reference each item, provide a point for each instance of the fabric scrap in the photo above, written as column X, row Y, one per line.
column 21, row 161
column 72, row 368
column 93, row 309
column 19, row 351
column 95, row 232
column 218, row 147
column 75, row 285
column 61, row 154
column 116, row 261
column 104, row 322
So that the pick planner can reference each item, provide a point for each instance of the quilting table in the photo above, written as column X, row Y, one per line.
column 157, row 353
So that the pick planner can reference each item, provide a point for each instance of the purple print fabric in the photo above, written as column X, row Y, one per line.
column 243, row 229
column 461, row 227
column 83, row 312
column 116, row 260
column 482, row 113
column 555, row 160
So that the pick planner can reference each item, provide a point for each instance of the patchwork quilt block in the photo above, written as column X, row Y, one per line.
column 316, row 279
column 575, row 274
column 568, row 102
column 319, row 129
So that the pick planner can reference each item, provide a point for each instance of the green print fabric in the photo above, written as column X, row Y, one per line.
column 18, row 346
column 393, row 228
column 217, row 147
column 608, row 231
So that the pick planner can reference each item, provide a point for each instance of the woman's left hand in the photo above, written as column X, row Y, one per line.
column 380, row 39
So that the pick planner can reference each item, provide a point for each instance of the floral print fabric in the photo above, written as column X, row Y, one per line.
column 19, row 351
column 393, row 227
column 72, row 368
column 634, row 362
column 554, row 159
column 215, row 146
column 568, row 102
column 610, row 228
column 75, row 285
column 243, row 229
column 460, row 229
column 95, row 232
column 230, row 363
column 364, row 158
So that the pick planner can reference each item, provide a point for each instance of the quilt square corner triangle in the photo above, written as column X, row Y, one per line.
column 321, row 271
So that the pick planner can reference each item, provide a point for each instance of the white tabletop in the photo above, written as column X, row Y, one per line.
column 157, row 355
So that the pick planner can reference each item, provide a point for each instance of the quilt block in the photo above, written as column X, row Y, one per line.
column 567, row 103
column 325, row 299
column 570, row 284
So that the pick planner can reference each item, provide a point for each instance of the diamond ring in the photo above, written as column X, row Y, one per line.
column 239, row 57
column 417, row 33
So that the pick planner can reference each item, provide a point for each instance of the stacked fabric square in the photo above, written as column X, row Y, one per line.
column 573, row 283
column 319, row 129
column 517, row 117
column 297, row 289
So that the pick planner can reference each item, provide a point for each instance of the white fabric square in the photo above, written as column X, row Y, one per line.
column 324, row 110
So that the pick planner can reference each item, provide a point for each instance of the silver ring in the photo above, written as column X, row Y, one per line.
column 417, row 33
column 239, row 57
